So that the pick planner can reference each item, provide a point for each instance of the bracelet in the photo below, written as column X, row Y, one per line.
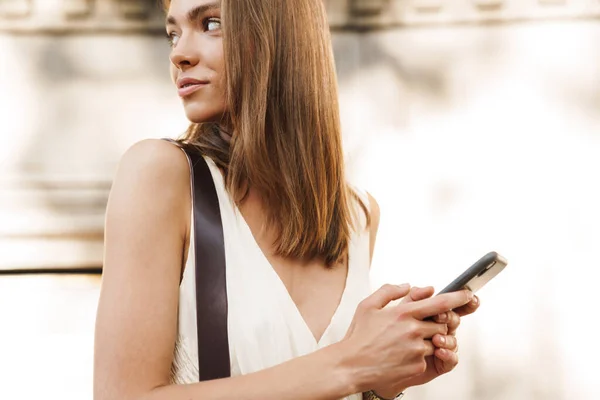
column 371, row 395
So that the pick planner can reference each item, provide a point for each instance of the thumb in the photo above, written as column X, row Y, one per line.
column 386, row 294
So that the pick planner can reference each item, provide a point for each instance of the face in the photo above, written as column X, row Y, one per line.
column 197, row 65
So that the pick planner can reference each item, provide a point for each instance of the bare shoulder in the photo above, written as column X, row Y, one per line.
column 151, row 161
column 153, row 174
column 375, row 216
column 151, row 188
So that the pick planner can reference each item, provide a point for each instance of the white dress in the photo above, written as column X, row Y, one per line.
column 265, row 327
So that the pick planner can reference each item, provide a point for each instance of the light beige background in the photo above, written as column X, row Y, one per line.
column 476, row 124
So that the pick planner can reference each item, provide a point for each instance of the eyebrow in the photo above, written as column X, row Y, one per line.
column 195, row 12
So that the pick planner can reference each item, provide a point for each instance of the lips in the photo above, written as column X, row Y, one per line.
column 187, row 86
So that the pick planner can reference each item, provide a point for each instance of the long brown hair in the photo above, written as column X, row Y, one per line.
column 283, row 117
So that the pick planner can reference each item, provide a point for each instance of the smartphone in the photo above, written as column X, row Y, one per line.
column 479, row 274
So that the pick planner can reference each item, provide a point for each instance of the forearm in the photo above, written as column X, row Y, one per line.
column 318, row 376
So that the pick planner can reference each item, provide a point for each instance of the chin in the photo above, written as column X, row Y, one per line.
column 203, row 111
column 197, row 113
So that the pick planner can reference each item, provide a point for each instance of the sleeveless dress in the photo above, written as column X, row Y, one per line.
column 265, row 326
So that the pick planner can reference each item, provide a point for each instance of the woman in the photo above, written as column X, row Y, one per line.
column 257, row 81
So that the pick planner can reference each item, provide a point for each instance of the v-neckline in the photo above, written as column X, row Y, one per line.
column 279, row 285
column 282, row 288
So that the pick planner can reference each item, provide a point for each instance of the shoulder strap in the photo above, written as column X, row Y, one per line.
column 211, row 288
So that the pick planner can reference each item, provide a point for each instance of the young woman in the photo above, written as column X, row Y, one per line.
column 257, row 81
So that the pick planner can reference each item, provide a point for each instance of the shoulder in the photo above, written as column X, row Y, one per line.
column 153, row 158
column 155, row 164
column 374, row 213
column 369, row 205
column 151, row 172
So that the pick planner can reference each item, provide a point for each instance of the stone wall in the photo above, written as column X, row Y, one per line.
column 82, row 79
column 369, row 14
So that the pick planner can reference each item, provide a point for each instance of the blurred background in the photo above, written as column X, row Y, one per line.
column 475, row 123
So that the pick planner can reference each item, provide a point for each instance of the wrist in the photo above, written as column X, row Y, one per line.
column 389, row 394
column 345, row 374
column 359, row 378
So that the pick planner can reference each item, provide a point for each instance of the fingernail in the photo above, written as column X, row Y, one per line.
column 404, row 286
column 475, row 300
column 443, row 317
column 442, row 340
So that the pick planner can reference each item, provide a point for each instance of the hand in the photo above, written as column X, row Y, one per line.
column 445, row 357
column 385, row 346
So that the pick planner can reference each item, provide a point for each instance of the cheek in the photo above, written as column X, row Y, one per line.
column 220, row 59
column 173, row 72
column 216, row 61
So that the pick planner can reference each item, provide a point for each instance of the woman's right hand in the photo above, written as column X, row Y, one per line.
column 386, row 345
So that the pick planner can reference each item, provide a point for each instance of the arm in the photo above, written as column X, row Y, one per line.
column 147, row 226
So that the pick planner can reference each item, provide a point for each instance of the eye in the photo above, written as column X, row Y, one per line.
column 172, row 38
column 212, row 24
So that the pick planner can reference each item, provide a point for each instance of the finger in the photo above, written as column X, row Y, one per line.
column 419, row 293
column 449, row 358
column 447, row 342
column 427, row 329
column 441, row 318
column 453, row 322
column 385, row 295
column 469, row 308
column 438, row 304
column 429, row 348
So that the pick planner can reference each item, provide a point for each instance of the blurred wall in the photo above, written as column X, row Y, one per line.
column 478, row 137
column 474, row 122
column 487, row 138
column 80, row 81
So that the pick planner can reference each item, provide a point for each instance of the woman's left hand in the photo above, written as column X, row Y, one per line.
column 445, row 357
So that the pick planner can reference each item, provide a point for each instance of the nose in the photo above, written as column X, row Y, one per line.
column 184, row 55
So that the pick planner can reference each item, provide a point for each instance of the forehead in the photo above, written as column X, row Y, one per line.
column 184, row 6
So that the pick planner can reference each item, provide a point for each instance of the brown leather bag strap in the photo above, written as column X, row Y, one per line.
column 211, row 285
